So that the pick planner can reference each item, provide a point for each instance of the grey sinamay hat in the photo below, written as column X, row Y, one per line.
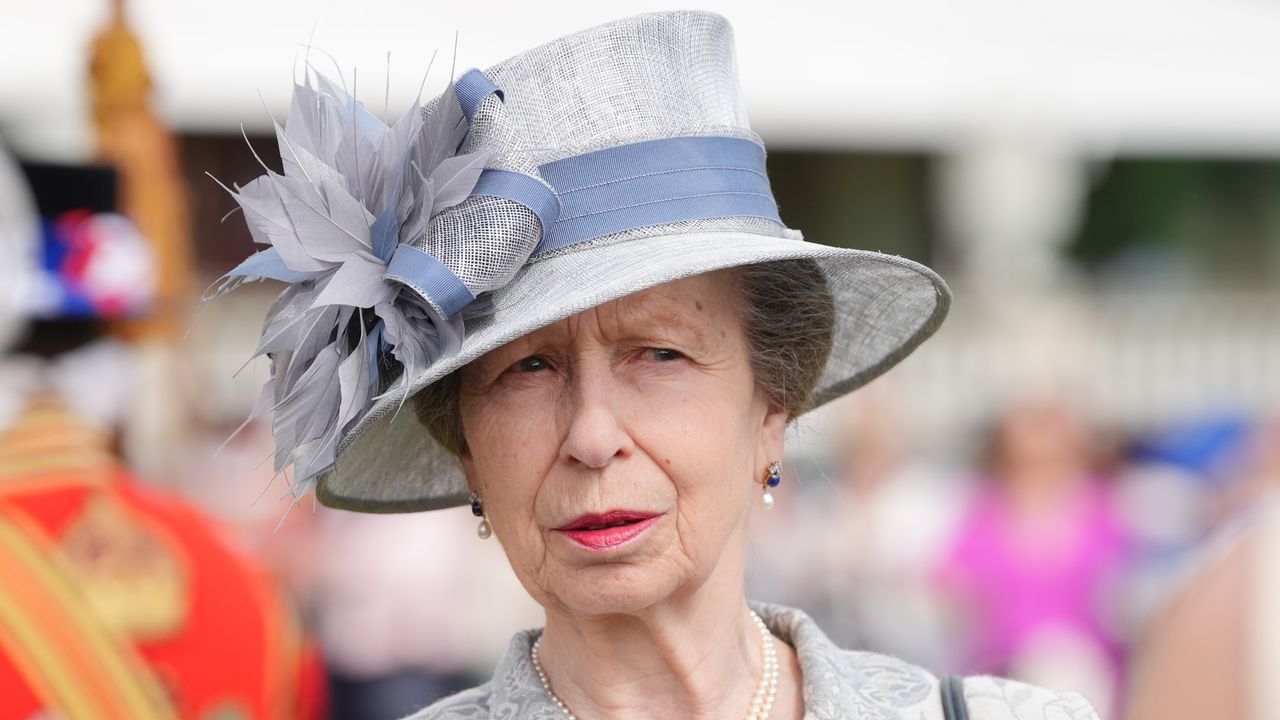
column 613, row 160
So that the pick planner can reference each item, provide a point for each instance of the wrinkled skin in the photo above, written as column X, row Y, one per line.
column 645, row 403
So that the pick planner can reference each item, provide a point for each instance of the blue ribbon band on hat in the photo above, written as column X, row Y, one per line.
column 429, row 278
column 471, row 89
column 653, row 182
column 522, row 189
column 656, row 182
column 608, row 191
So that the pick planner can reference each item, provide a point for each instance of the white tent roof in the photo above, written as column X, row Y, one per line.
column 1197, row 76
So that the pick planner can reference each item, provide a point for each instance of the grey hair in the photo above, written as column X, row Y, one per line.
column 788, row 319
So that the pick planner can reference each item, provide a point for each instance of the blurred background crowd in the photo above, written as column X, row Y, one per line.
column 1076, row 483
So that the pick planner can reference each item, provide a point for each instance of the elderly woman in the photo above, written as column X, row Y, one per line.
column 571, row 268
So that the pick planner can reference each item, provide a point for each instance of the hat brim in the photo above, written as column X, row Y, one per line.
column 885, row 307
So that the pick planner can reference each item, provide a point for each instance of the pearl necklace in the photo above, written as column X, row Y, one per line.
column 761, row 701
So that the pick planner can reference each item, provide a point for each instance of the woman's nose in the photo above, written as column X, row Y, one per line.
column 596, row 434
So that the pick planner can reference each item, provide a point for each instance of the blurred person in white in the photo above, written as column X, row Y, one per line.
column 858, row 544
column 365, row 578
column 1212, row 647
column 1035, row 568
column 605, row 328
column 896, row 513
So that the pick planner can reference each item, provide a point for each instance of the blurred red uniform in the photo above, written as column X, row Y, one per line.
column 120, row 601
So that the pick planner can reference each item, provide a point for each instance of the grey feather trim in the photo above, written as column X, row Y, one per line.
column 352, row 190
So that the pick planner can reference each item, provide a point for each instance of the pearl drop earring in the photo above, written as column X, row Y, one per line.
column 477, row 509
column 772, row 477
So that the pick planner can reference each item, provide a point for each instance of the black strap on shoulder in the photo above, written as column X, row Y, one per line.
column 953, row 705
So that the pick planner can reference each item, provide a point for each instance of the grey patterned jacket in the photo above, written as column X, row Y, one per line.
column 838, row 685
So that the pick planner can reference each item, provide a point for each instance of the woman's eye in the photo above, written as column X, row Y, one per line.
column 664, row 354
column 532, row 364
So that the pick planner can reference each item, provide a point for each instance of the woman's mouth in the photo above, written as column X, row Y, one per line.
column 608, row 530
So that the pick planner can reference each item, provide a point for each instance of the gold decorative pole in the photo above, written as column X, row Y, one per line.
column 152, row 193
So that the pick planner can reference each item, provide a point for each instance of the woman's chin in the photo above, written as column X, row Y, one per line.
column 610, row 589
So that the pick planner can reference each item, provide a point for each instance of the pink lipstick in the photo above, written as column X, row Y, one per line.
column 608, row 530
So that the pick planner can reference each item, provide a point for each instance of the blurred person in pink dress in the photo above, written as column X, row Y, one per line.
column 1035, row 560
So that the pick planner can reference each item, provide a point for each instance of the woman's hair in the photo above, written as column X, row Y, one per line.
column 788, row 320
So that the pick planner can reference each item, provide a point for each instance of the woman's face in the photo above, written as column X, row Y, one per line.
column 641, row 411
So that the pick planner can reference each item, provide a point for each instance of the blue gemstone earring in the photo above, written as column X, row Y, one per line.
column 772, row 477
column 477, row 509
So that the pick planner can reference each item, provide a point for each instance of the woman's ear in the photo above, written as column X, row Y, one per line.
column 773, row 432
